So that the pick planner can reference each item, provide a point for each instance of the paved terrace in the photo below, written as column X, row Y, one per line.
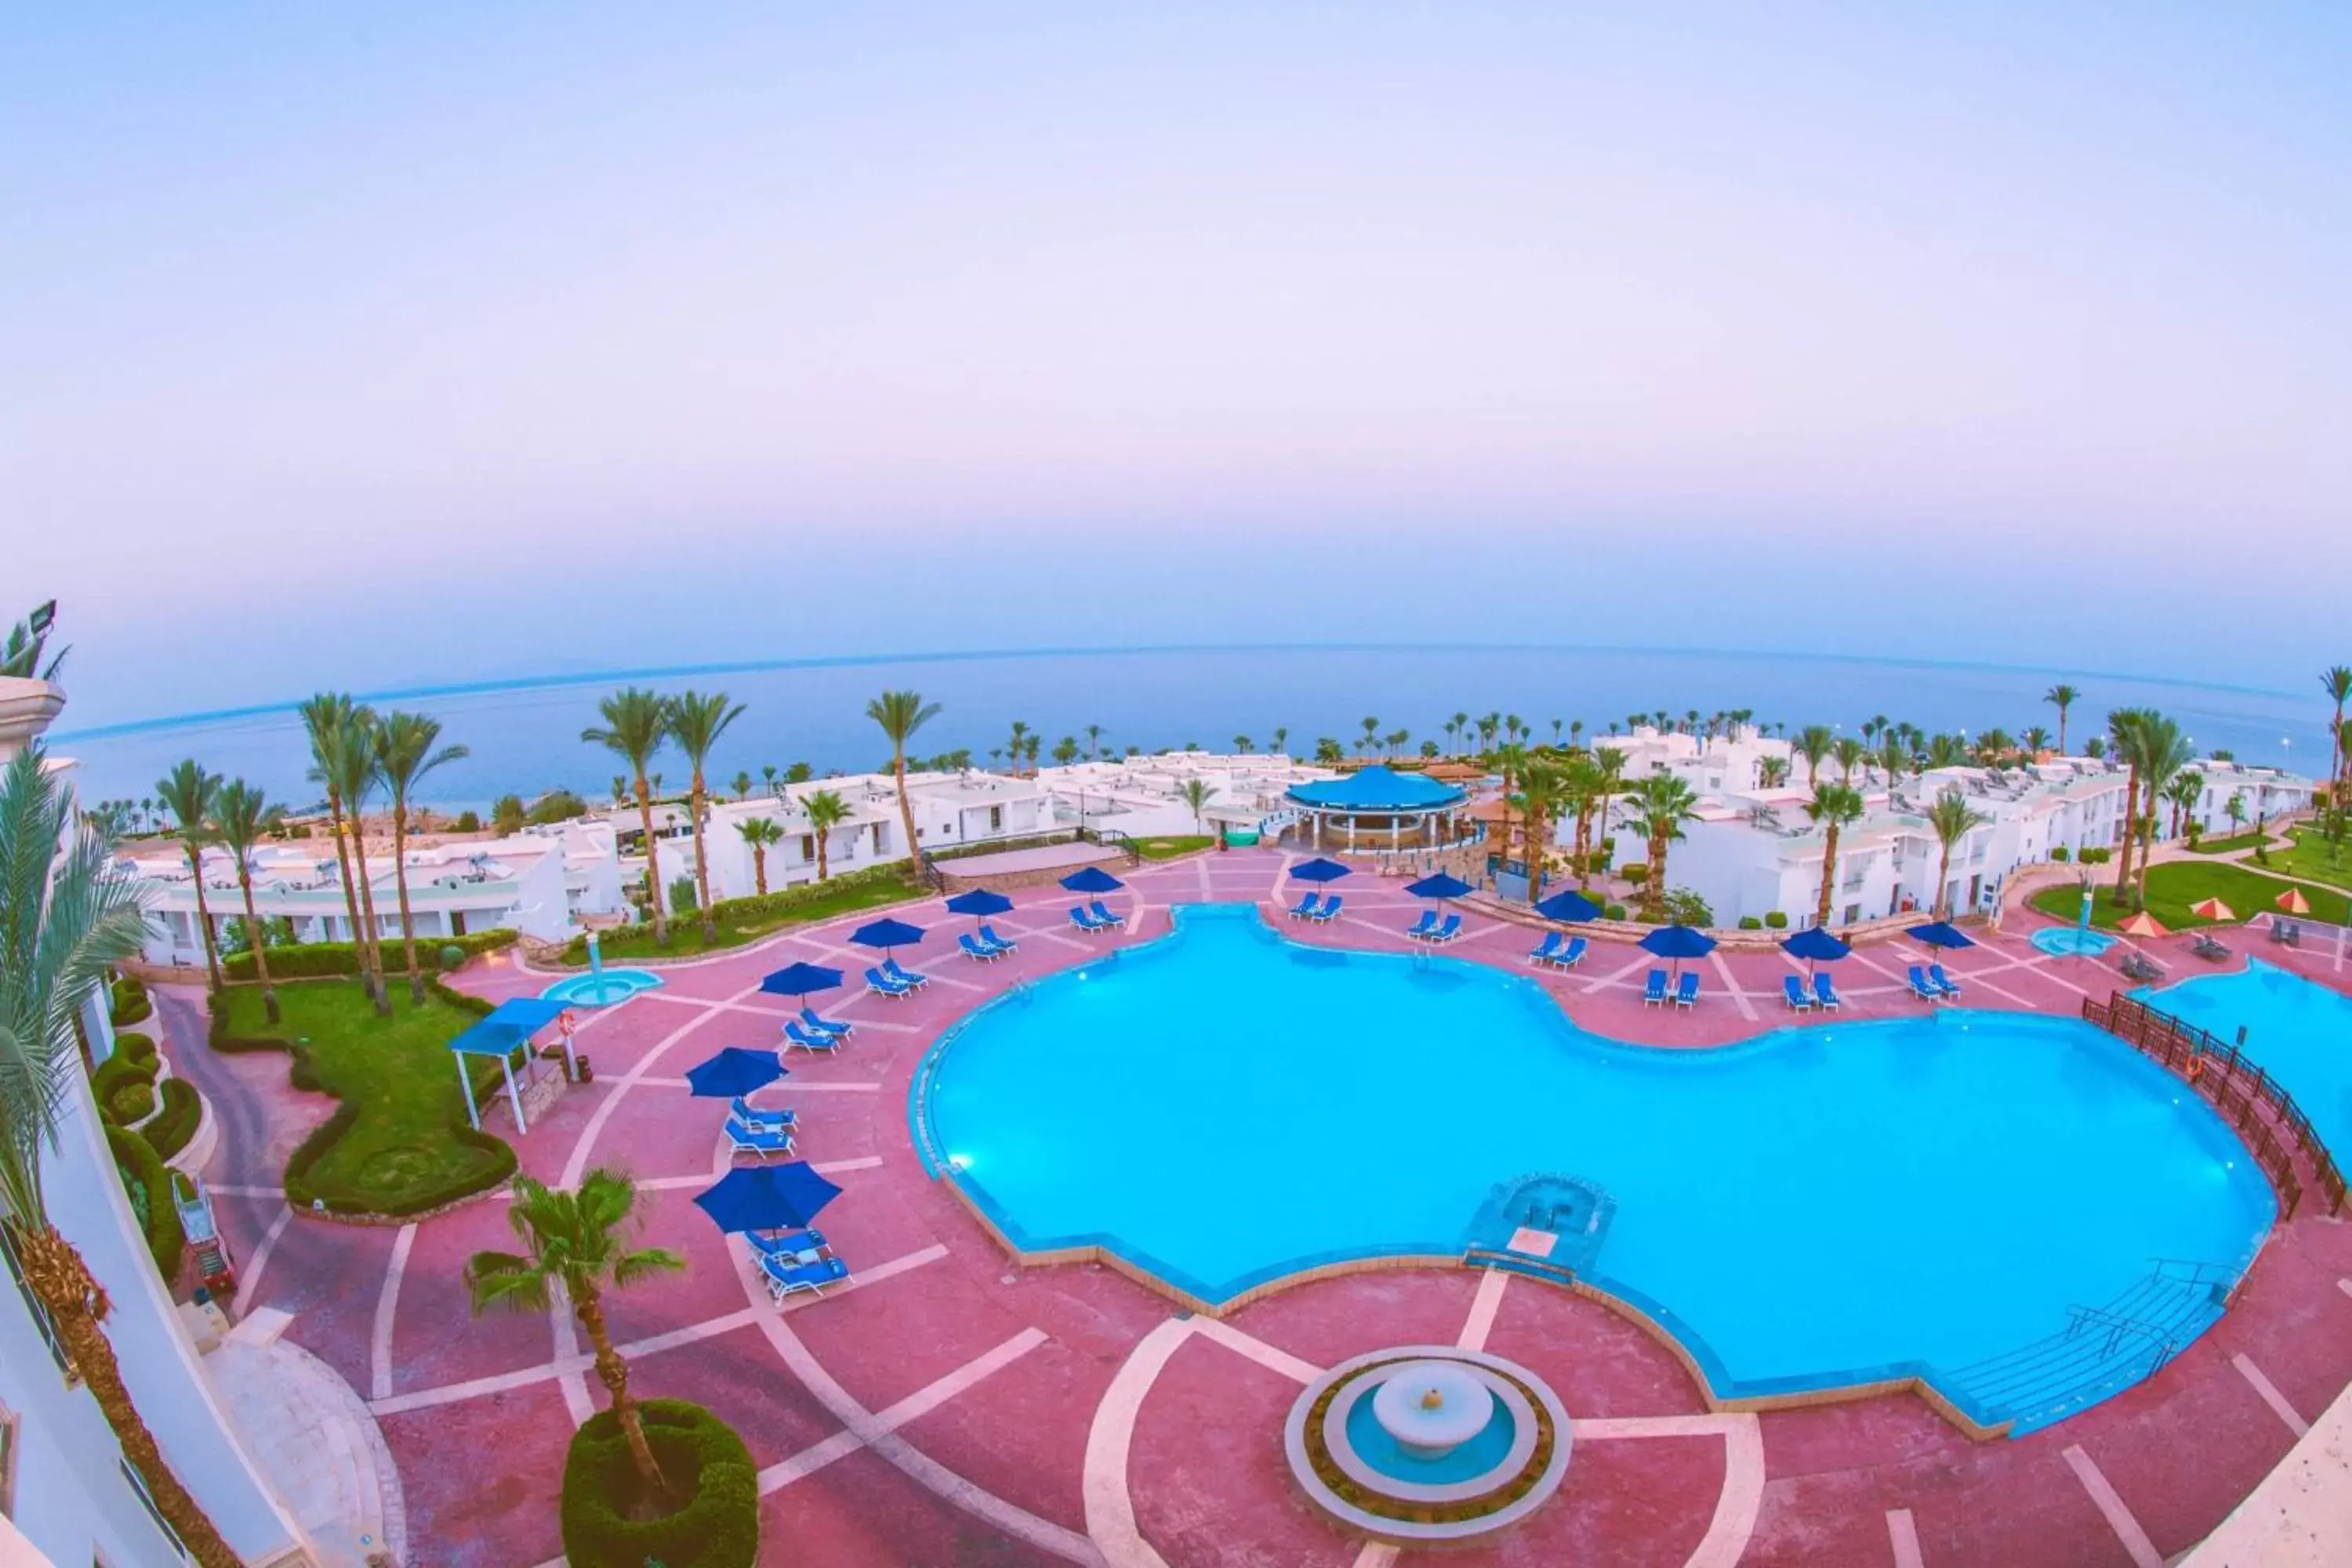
column 955, row 1409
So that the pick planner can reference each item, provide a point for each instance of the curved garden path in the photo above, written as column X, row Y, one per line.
column 953, row 1409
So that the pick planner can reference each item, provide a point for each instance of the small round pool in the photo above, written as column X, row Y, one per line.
column 2072, row 942
column 603, row 988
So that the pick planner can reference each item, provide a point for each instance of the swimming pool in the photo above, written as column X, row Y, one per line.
column 2071, row 941
column 2300, row 1031
column 602, row 988
column 1816, row 1206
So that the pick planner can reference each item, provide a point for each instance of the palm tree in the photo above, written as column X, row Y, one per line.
column 1195, row 795
column 242, row 818
column 1328, row 752
column 1813, row 744
column 192, row 795
column 620, row 791
column 362, row 771
column 1031, row 746
column 1661, row 803
column 1094, row 743
column 64, row 922
column 1242, row 745
column 825, row 811
column 2235, row 809
column 1065, row 750
column 636, row 724
column 742, row 785
column 1281, row 742
column 1509, row 760
column 767, row 776
column 2336, row 682
column 2164, row 754
column 1947, row 750
column 697, row 720
column 1020, row 744
column 1611, row 761
column 1953, row 818
column 1836, row 808
column 1371, row 735
column 759, row 832
column 576, row 1240
column 900, row 714
column 1771, row 772
column 2062, row 697
column 1461, row 726
column 1396, row 741
column 2182, row 795
column 326, row 718
column 2033, row 743
column 2127, row 726
column 1849, row 753
column 405, row 743
column 1544, row 792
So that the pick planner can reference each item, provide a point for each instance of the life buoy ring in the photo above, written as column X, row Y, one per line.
column 2196, row 1067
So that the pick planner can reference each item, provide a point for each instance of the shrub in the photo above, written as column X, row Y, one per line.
column 133, row 1047
column 468, row 822
column 452, row 956
column 1613, row 913
column 1637, row 873
column 308, row 961
column 757, row 908
column 682, row 900
column 699, row 1455
column 506, row 813
column 177, row 1122
column 1750, row 922
column 124, row 1087
column 130, row 1004
column 555, row 805
column 2097, row 856
column 1684, row 908
column 2058, row 853
column 1776, row 920
column 149, row 1186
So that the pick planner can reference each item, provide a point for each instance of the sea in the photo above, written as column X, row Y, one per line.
column 523, row 735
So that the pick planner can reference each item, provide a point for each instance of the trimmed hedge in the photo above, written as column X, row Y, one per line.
column 1613, row 913
column 698, row 1453
column 124, row 1085
column 149, row 1187
column 1750, row 922
column 137, row 1048
column 182, row 1112
column 313, row 960
column 128, row 1003
column 2097, row 856
column 2059, row 853
column 757, row 907
column 1776, row 920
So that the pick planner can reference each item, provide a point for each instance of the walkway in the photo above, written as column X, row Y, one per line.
column 953, row 1409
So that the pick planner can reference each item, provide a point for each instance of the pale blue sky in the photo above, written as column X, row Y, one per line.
column 371, row 351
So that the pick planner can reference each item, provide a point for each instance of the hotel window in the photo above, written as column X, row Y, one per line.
column 808, row 849
column 996, row 819
column 138, row 1485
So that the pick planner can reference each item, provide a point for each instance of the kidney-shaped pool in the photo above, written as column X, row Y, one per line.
column 1224, row 1107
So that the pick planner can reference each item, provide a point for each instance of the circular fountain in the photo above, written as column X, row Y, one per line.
column 1427, row 1444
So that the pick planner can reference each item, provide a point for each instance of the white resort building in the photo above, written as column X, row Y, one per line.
column 1752, row 850
column 1143, row 797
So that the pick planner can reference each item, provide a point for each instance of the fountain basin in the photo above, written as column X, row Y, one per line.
column 602, row 988
column 1432, row 1407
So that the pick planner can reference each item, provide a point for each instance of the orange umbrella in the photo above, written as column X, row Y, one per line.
column 2213, row 909
column 2294, row 903
column 2143, row 924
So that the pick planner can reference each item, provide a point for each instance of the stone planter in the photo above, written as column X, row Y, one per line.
column 26, row 708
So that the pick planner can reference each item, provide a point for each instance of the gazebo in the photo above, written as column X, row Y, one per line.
column 1407, row 808
column 507, row 1025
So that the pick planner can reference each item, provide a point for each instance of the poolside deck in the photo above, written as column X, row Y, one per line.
column 953, row 1409
column 1014, row 868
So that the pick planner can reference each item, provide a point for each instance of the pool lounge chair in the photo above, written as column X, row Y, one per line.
column 1544, row 954
column 742, row 1140
column 1111, row 921
column 1824, row 994
column 880, row 984
column 1686, row 993
column 788, row 1279
column 2139, row 966
column 799, row 1039
column 1654, row 989
column 1427, row 924
column 1305, row 908
column 1793, row 990
column 800, row 1246
column 1571, row 955
column 1448, row 932
column 988, row 937
column 752, row 1116
column 2207, row 946
column 1083, row 920
column 1941, row 981
column 2286, row 932
column 1922, row 987
column 1331, row 911
column 839, row 1029
column 974, row 950
column 904, row 976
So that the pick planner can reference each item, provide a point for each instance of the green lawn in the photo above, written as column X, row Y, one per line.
column 2232, row 844
column 2175, row 885
column 1168, row 848
column 734, row 928
column 2309, row 857
column 405, row 1140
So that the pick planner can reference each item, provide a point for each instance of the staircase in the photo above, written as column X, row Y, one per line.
column 2103, row 1349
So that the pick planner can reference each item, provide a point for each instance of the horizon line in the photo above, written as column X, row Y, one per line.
column 977, row 655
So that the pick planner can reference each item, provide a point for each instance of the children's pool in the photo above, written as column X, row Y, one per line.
column 1224, row 1107
column 2072, row 942
column 603, row 988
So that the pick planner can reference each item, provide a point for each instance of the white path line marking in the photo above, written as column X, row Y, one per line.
column 387, row 1302
column 1740, row 1500
column 1483, row 1308
column 222, row 1189
column 822, row 1167
column 577, row 1165
column 2135, row 1544
column 573, row 1365
column 1376, row 1555
column 1904, row 1538
column 2271, row 1395
column 926, row 1399
column 2345, row 1286
column 1110, row 1438
column 1257, row 1350
column 248, row 1283
column 1614, row 975
column 1738, row 997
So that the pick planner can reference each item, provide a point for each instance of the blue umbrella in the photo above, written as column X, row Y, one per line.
column 734, row 1071
column 1940, row 933
column 1813, row 945
column 1441, row 886
column 800, row 979
column 1678, row 943
column 979, row 901
column 887, row 934
column 1318, row 870
column 767, row 1198
column 1092, row 879
column 1570, row 906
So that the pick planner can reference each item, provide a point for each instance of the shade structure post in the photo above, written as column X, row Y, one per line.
column 466, row 1091
column 514, row 1095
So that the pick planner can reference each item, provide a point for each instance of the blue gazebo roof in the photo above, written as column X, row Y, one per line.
column 1377, row 789
column 507, row 1025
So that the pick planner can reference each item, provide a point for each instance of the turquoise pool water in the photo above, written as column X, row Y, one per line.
column 1489, row 1448
column 2301, row 1033
column 1224, row 1107
column 2068, row 941
column 602, row 989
